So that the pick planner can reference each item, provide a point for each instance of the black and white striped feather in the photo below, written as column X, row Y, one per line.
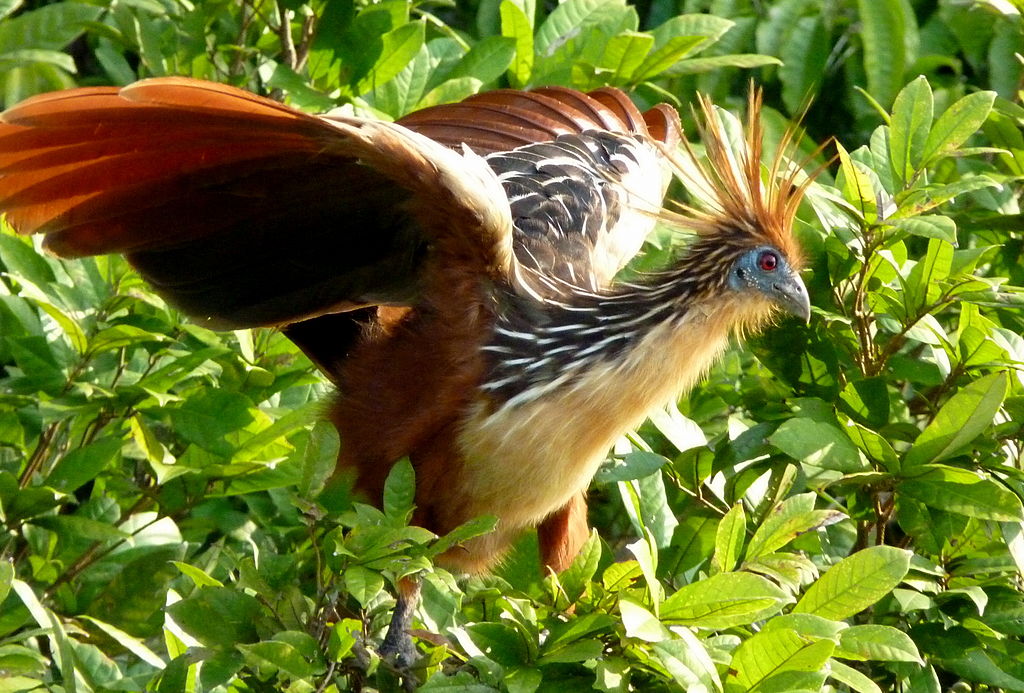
column 581, row 207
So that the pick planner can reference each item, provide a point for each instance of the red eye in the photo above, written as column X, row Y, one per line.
column 768, row 261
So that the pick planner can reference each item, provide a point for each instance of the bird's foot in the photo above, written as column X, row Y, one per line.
column 398, row 648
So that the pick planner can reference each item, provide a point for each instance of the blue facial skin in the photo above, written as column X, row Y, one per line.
column 766, row 271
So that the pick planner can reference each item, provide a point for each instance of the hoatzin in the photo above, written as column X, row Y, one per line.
column 451, row 273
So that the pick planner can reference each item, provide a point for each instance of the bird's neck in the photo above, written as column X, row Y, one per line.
column 540, row 348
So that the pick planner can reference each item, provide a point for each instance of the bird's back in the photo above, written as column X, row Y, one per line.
column 581, row 204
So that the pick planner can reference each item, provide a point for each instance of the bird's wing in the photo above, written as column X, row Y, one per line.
column 583, row 173
column 245, row 212
column 240, row 210
column 504, row 119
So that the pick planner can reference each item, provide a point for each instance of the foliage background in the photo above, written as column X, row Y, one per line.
column 837, row 508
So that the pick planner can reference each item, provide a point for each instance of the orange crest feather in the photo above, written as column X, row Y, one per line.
column 731, row 189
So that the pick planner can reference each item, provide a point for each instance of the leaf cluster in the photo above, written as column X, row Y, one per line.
column 837, row 508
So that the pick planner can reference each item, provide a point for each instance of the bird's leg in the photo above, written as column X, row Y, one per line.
column 398, row 645
column 562, row 534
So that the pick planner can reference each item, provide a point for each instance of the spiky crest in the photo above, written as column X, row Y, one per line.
column 734, row 196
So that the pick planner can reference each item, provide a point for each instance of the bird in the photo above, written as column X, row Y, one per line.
column 453, row 273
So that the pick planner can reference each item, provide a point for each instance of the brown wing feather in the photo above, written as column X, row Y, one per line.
column 239, row 209
column 244, row 211
column 502, row 120
column 623, row 108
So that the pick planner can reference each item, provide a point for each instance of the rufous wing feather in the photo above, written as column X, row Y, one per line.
column 239, row 209
column 243, row 211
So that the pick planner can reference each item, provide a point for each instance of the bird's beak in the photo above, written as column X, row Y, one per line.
column 790, row 294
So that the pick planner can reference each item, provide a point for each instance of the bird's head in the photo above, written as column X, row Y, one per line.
column 743, row 210
column 765, row 271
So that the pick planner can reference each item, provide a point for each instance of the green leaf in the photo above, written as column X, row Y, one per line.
column 855, row 583
column 83, row 464
column 646, row 553
column 450, row 91
column 664, row 57
column 399, row 47
column 956, row 124
column 878, row 643
column 400, row 491
column 624, row 54
column 522, row 679
column 562, row 634
column 640, row 623
column 499, row 642
column 578, row 651
column 273, row 657
column 723, row 601
column 688, row 662
column 27, row 56
column 50, row 27
column 6, row 579
column 319, row 458
column 59, row 642
column 75, row 334
column 487, row 59
column 120, row 336
column 963, row 492
column 402, row 94
column 882, row 31
column 929, row 226
column 682, row 431
column 7, row 7
column 807, row 625
column 922, row 285
column 748, row 61
column 707, row 26
column 577, row 577
column 568, row 19
column 363, row 584
column 635, row 465
column 199, row 577
column 873, row 445
column 75, row 527
column 127, row 641
column 218, row 617
column 767, row 654
column 568, row 642
column 516, row 25
column 620, row 575
column 923, row 198
column 856, row 185
column 791, row 518
column 21, row 259
column 817, row 443
column 655, row 514
column 961, row 419
column 476, row 527
column 774, row 29
column 912, row 114
column 208, row 416
column 851, row 677
column 300, row 94
column 804, row 57
column 729, row 538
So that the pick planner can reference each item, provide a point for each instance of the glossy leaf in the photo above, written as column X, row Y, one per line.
column 962, row 419
column 855, row 583
column 723, row 601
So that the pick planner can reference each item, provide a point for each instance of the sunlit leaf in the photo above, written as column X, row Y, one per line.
column 855, row 583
